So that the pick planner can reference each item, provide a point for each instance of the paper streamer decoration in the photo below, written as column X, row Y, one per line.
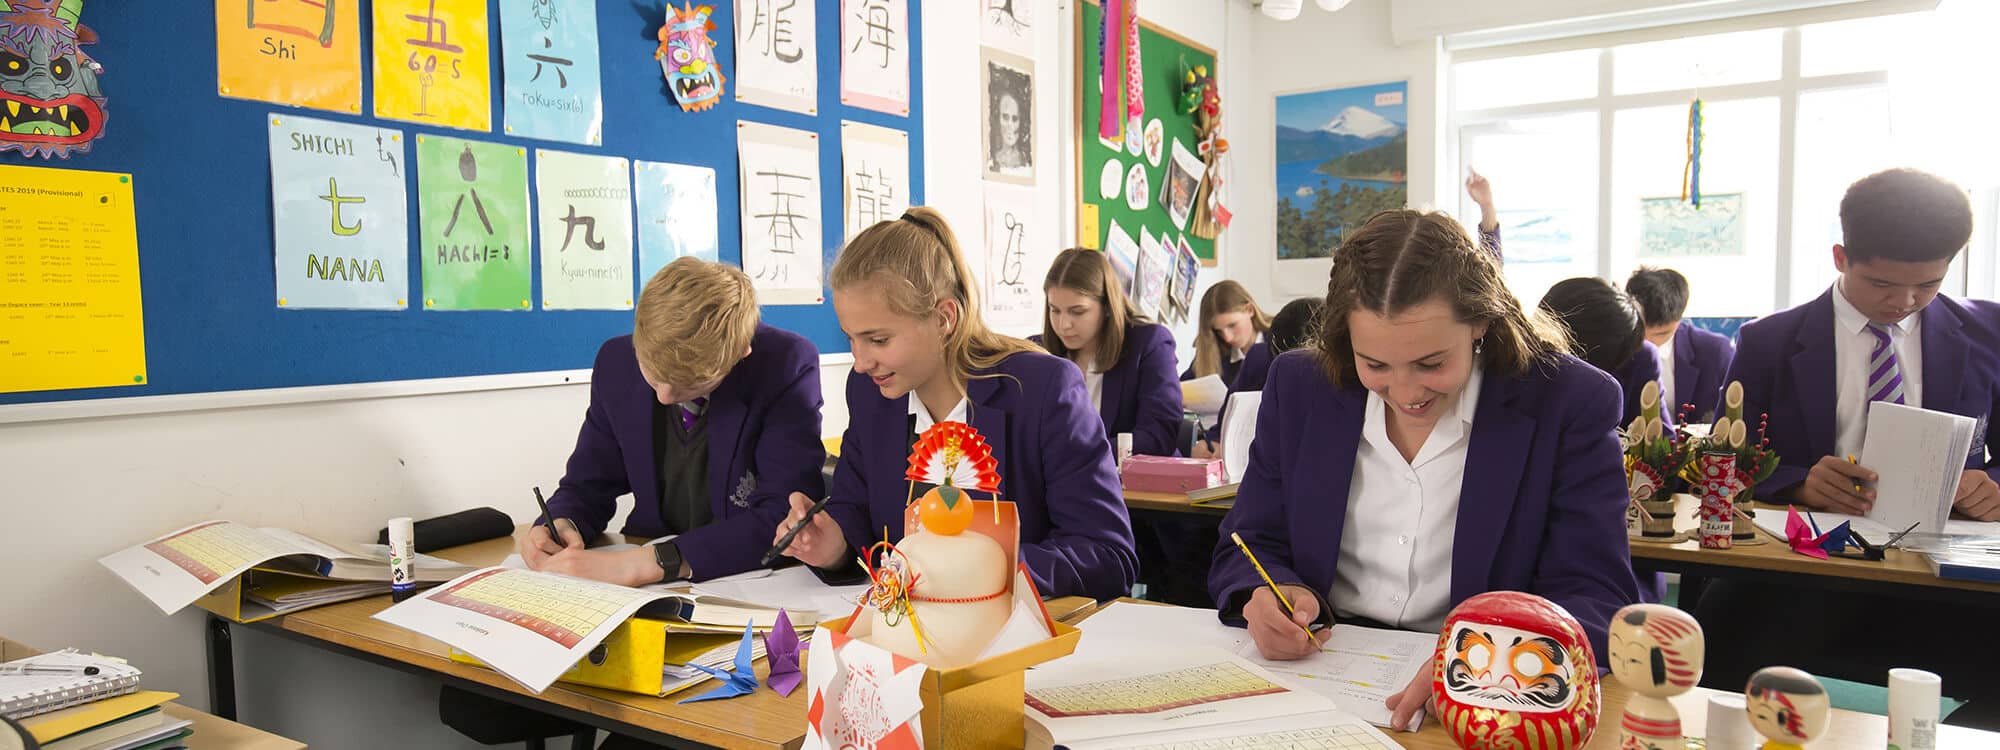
column 583, row 204
column 1135, row 82
column 431, row 63
column 472, row 210
column 1110, row 121
column 339, row 215
column 1691, row 174
column 550, row 71
column 305, row 53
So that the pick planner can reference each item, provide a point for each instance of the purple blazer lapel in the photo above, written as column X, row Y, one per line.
column 1944, row 356
column 1812, row 374
column 988, row 412
column 726, row 411
column 1117, row 383
column 632, row 417
column 1494, row 461
column 1685, row 362
column 1342, row 418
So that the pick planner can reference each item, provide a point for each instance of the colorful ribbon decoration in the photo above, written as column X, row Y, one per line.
column 1691, row 173
column 1110, row 123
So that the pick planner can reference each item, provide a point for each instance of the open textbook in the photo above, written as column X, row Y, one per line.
column 175, row 570
column 1357, row 669
column 1133, row 695
column 532, row 626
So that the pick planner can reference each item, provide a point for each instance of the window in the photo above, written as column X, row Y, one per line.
column 1586, row 148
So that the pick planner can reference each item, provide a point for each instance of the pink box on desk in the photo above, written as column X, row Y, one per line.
column 1168, row 474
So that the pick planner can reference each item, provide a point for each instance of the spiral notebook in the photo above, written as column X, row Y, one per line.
column 23, row 695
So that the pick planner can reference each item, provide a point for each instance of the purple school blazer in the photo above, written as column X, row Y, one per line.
column 1141, row 395
column 1701, row 358
column 1542, row 508
column 1055, row 466
column 1786, row 365
column 763, row 443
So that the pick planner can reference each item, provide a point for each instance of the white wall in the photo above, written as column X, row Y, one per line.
column 1315, row 51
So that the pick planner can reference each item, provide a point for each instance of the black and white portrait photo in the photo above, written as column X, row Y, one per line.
column 1008, row 118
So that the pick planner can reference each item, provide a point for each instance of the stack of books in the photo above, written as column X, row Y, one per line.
column 75, row 701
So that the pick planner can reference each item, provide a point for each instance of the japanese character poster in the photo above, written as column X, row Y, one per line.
column 1016, row 259
column 339, row 219
column 583, row 205
column 431, row 63
column 777, row 55
column 549, row 71
column 780, row 188
column 472, row 213
column 677, row 213
column 1007, row 117
column 55, row 106
column 1008, row 25
column 305, row 53
column 875, row 55
column 874, row 175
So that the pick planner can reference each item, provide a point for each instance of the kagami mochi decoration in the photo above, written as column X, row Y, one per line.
column 1515, row 670
column 943, row 592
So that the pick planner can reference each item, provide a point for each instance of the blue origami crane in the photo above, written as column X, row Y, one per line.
column 742, row 681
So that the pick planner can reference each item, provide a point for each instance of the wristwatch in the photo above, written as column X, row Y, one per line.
column 669, row 558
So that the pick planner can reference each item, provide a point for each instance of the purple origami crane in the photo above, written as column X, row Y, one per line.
column 781, row 651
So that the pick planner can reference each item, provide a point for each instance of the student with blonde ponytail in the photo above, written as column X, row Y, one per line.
column 909, row 305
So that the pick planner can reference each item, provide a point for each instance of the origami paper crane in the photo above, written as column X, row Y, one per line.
column 781, row 651
column 741, row 681
column 1806, row 540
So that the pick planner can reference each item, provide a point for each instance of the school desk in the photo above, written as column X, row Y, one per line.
column 210, row 732
column 1848, row 730
column 1899, row 573
column 1171, row 502
column 759, row 720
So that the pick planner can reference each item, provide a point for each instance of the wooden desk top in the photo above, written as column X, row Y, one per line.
column 211, row 732
column 759, row 720
column 1849, row 730
column 1170, row 502
column 1774, row 555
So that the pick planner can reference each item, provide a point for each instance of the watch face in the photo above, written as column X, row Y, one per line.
column 669, row 558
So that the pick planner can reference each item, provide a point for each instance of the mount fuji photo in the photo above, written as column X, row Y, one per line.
column 1342, row 155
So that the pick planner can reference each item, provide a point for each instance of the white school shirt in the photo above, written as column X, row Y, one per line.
column 1093, row 382
column 1666, row 358
column 1853, row 346
column 923, row 415
column 1402, row 517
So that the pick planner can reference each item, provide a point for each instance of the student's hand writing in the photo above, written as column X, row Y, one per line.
column 1404, row 706
column 820, row 544
column 1830, row 485
column 1978, row 496
column 1278, row 636
column 625, row 567
column 537, row 546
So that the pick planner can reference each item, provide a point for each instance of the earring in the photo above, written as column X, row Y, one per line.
column 1478, row 345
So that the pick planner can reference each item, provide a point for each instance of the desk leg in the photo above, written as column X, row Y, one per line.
column 221, row 669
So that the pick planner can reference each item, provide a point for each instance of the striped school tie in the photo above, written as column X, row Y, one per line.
column 1885, row 374
column 691, row 411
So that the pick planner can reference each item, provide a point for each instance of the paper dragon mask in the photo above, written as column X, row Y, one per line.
column 687, row 57
column 50, row 104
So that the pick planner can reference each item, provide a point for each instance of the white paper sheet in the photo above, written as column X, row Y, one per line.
column 529, row 626
column 583, row 206
column 794, row 589
column 176, row 569
column 1918, row 456
column 1772, row 521
column 1016, row 257
column 780, row 188
column 1204, row 395
column 1288, row 733
column 875, row 55
column 874, row 175
column 777, row 54
column 1239, row 430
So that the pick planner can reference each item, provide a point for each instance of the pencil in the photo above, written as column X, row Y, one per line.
column 1289, row 609
column 1852, row 462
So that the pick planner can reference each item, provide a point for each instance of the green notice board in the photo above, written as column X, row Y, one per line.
column 1163, row 56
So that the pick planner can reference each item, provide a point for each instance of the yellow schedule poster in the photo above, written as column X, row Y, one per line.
column 69, row 281
column 431, row 63
column 300, row 52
